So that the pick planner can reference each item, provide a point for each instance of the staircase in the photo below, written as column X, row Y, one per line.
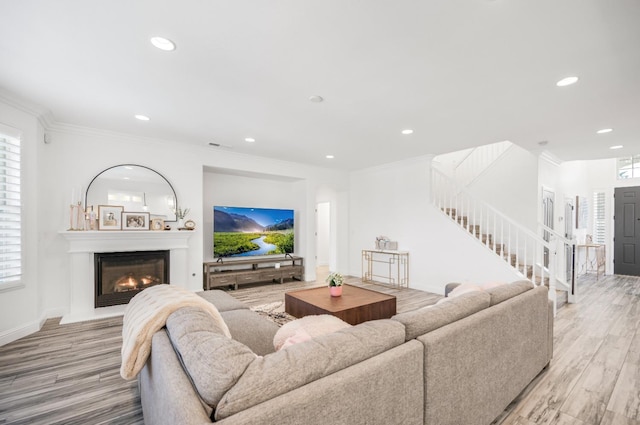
column 526, row 270
column 528, row 253
column 477, row 161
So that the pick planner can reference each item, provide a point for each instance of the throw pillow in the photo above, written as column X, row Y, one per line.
column 463, row 289
column 307, row 328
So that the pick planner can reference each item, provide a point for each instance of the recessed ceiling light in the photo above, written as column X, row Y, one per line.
column 407, row 131
column 567, row 81
column 163, row 43
column 329, row 157
column 250, row 139
column 616, row 147
column 605, row 130
column 142, row 117
column 315, row 98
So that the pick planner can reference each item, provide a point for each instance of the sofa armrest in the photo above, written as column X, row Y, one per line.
column 166, row 393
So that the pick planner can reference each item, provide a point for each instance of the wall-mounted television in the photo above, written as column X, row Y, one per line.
column 244, row 232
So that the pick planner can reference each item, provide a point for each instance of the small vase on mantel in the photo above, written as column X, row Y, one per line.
column 335, row 291
column 180, row 223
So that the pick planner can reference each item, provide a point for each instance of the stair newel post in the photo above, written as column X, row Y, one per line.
column 524, row 258
column 553, row 250
column 475, row 208
column 509, row 251
column 517, row 264
column 502, row 237
column 494, row 233
column 571, row 294
column 467, row 213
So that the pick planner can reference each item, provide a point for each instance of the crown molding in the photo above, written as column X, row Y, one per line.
column 389, row 165
column 22, row 104
column 551, row 158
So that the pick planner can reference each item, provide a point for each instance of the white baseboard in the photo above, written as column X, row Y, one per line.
column 19, row 332
column 27, row 329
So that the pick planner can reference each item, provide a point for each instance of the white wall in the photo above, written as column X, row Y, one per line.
column 240, row 191
column 323, row 226
column 601, row 176
column 393, row 200
column 76, row 155
column 21, row 306
column 510, row 186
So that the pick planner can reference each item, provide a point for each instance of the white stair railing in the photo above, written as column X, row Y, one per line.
column 477, row 161
column 520, row 247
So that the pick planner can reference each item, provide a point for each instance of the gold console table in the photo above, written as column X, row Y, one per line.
column 392, row 267
column 596, row 262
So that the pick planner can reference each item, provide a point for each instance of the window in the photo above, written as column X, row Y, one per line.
column 10, row 211
column 629, row 167
column 598, row 218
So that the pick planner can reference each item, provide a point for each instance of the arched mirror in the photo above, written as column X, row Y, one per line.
column 135, row 187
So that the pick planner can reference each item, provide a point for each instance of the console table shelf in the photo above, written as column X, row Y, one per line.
column 392, row 267
column 237, row 272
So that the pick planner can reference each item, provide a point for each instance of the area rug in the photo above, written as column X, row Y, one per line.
column 274, row 312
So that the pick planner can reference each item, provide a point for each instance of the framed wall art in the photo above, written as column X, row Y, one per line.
column 135, row 221
column 110, row 217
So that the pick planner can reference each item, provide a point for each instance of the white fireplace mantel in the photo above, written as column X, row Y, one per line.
column 82, row 246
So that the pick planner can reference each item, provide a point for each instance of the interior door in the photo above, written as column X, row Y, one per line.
column 626, row 245
column 548, row 198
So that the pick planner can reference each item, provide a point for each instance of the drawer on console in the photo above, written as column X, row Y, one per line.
column 295, row 271
column 270, row 274
column 222, row 280
column 248, row 278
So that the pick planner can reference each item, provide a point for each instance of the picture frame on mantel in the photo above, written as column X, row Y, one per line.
column 135, row 221
column 157, row 224
column 110, row 217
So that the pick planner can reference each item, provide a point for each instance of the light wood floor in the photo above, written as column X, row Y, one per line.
column 69, row 374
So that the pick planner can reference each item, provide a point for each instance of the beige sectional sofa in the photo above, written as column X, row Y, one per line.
column 459, row 362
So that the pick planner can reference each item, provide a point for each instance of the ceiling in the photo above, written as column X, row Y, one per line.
column 460, row 73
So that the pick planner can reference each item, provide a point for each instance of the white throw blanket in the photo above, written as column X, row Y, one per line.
column 147, row 313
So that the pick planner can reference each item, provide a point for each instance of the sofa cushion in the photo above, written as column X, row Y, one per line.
column 463, row 289
column 212, row 361
column 426, row 319
column 285, row 370
column 251, row 329
column 306, row 328
column 222, row 300
column 504, row 292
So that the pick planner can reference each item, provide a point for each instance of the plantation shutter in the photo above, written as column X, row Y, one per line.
column 10, row 209
column 598, row 218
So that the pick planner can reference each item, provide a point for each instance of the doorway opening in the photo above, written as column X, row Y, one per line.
column 323, row 240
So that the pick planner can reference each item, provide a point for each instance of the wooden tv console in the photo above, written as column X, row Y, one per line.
column 238, row 272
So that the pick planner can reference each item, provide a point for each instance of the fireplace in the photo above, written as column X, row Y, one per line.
column 119, row 276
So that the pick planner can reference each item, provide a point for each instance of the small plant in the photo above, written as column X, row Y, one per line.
column 334, row 279
column 181, row 213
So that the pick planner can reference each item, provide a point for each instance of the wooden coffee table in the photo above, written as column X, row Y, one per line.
column 356, row 305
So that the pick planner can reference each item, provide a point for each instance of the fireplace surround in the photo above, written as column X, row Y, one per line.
column 82, row 247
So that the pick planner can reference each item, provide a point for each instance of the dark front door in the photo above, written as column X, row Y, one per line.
column 626, row 245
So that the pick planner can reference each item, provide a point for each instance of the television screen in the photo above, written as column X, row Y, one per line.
column 242, row 232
